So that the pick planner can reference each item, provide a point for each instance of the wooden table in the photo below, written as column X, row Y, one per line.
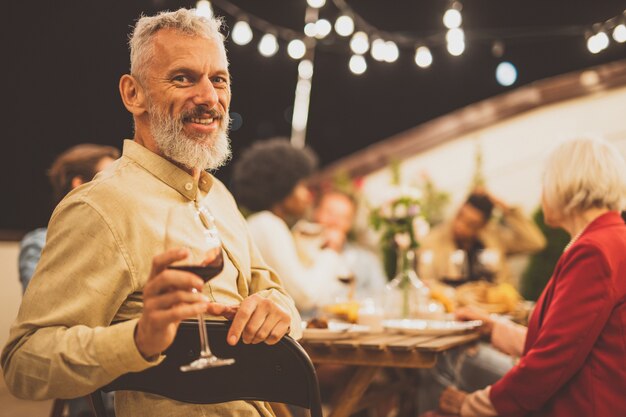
column 372, row 352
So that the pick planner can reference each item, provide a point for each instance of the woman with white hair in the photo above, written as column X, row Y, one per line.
column 573, row 353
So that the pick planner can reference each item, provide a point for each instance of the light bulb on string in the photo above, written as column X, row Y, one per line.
column 378, row 49
column 359, row 43
column 316, row 4
column 357, row 64
column 344, row 25
column 423, row 57
column 322, row 28
column 296, row 49
column 452, row 18
column 268, row 45
column 597, row 42
column 242, row 33
column 506, row 73
column 204, row 9
column 619, row 33
column 455, row 41
column 305, row 69
column 391, row 52
column 310, row 29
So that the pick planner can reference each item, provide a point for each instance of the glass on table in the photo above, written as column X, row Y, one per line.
column 192, row 226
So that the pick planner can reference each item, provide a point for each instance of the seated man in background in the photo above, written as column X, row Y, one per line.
column 269, row 181
column 335, row 212
column 471, row 248
column 470, row 234
column 71, row 169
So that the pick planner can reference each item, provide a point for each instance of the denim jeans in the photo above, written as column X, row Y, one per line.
column 468, row 369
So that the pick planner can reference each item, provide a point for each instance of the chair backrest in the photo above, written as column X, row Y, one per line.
column 280, row 373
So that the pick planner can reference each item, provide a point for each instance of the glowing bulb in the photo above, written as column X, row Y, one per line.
column 242, row 34
column 379, row 49
column 452, row 18
column 204, row 9
column 344, row 26
column 322, row 28
column 597, row 42
column 391, row 52
column 296, row 49
column 619, row 33
column 316, row 4
column 455, row 39
column 305, row 69
column 423, row 57
column 506, row 73
column 359, row 43
column 310, row 29
column 268, row 45
column 358, row 64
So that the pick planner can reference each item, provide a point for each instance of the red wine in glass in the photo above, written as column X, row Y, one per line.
column 206, row 272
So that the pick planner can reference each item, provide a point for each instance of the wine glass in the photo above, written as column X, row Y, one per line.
column 192, row 226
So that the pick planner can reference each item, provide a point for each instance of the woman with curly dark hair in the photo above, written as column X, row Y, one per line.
column 269, row 181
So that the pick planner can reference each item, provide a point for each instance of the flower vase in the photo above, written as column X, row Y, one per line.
column 406, row 295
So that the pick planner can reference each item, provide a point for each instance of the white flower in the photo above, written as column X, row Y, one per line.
column 403, row 240
column 421, row 228
column 400, row 211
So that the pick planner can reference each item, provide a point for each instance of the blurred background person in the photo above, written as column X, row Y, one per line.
column 69, row 170
column 335, row 212
column 470, row 247
column 269, row 181
column 572, row 353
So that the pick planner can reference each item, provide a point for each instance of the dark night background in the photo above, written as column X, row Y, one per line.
column 63, row 60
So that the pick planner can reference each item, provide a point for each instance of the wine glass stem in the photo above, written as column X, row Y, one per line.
column 205, row 351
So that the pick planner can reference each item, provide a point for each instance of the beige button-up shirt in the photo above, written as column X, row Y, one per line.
column 100, row 244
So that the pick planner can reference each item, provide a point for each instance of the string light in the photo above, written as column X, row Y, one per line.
column 455, row 41
column 452, row 18
column 305, row 69
column 423, row 57
column 310, row 29
column 242, row 33
column 316, row 4
column 619, row 33
column 322, row 28
column 378, row 49
column 344, row 25
column 598, row 37
column 391, row 52
column 359, row 43
column 204, row 9
column 598, row 42
column 296, row 49
column 357, row 64
column 268, row 45
column 506, row 73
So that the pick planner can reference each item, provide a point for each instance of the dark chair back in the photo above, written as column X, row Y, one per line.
column 280, row 373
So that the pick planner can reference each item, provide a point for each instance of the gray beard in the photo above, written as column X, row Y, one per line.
column 190, row 152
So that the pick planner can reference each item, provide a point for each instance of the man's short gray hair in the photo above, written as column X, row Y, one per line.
column 584, row 173
column 182, row 20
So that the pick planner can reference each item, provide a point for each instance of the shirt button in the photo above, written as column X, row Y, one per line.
column 188, row 186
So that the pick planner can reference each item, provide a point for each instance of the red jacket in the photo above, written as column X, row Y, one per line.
column 574, row 361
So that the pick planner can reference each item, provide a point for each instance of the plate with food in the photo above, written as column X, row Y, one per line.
column 493, row 298
column 321, row 329
column 430, row 327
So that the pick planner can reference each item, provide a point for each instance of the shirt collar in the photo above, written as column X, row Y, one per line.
column 166, row 171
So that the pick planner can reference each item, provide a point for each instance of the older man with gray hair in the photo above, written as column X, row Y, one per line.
column 103, row 301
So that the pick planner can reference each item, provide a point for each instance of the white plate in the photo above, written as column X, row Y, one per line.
column 430, row 327
column 336, row 330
